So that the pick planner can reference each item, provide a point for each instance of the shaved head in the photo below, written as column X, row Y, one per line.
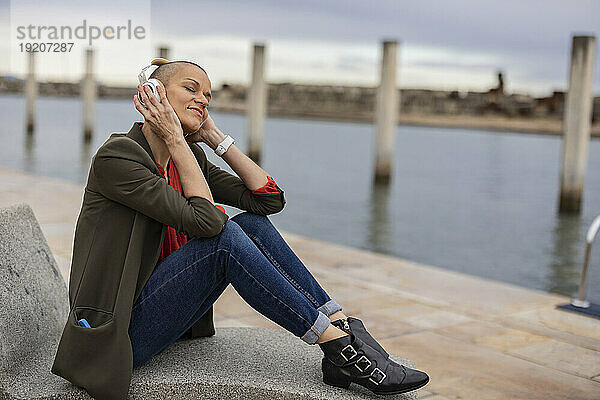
column 165, row 72
column 188, row 91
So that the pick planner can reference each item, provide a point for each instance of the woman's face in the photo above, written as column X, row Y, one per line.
column 189, row 93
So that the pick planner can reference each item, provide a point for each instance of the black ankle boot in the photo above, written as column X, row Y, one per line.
column 348, row 359
column 356, row 326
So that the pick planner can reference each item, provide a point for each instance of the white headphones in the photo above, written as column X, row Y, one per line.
column 151, row 83
column 154, row 83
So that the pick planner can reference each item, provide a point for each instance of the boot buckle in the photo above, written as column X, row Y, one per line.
column 360, row 360
column 383, row 375
column 353, row 351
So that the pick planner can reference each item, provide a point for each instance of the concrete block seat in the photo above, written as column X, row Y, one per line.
column 236, row 363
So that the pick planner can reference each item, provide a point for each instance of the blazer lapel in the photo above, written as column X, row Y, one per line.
column 136, row 134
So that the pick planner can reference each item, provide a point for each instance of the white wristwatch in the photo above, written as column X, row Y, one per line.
column 224, row 145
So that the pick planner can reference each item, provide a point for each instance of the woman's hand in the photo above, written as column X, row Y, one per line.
column 201, row 135
column 160, row 116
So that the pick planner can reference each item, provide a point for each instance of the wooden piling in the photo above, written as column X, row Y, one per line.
column 386, row 114
column 164, row 52
column 31, row 93
column 88, row 95
column 576, row 124
column 256, row 104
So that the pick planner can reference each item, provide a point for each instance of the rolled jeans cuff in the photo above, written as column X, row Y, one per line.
column 330, row 307
column 317, row 329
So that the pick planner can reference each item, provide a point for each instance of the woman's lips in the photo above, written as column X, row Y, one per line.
column 196, row 111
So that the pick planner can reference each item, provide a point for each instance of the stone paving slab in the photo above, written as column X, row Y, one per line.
column 561, row 325
column 465, row 331
column 461, row 370
column 562, row 356
column 491, row 335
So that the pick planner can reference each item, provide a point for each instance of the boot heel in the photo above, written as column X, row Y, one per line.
column 333, row 376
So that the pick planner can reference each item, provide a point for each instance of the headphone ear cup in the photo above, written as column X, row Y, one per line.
column 152, row 84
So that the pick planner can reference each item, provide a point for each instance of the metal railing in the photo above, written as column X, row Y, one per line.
column 580, row 301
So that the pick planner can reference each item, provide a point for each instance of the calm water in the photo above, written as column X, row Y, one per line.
column 477, row 202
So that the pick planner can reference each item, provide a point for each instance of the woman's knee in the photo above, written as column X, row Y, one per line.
column 231, row 232
column 247, row 218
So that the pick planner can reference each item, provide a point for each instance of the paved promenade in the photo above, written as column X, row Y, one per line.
column 477, row 339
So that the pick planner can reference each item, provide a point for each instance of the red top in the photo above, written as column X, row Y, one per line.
column 173, row 239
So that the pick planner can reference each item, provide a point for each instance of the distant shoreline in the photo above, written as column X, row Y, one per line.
column 540, row 126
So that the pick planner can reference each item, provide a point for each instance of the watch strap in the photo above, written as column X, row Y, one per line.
column 224, row 145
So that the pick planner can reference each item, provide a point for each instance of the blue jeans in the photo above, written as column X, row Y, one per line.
column 250, row 254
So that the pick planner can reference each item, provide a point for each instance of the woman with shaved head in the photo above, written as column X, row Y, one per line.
column 151, row 204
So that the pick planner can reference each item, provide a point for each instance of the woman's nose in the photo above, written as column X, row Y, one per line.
column 202, row 100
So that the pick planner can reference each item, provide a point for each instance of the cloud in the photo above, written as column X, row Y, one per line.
column 540, row 25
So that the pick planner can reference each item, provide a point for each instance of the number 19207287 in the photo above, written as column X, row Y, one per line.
column 47, row 47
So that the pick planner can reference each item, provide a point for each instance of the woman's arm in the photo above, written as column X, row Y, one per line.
column 121, row 171
column 253, row 175
column 192, row 179
column 229, row 189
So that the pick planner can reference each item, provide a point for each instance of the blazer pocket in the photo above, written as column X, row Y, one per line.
column 96, row 317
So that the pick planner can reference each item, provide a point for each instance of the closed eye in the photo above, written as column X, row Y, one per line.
column 190, row 89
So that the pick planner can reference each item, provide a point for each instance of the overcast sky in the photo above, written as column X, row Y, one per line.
column 456, row 44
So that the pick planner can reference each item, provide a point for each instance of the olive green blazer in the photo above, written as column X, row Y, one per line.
column 126, row 209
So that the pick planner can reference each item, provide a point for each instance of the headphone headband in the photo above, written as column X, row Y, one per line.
column 157, row 61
